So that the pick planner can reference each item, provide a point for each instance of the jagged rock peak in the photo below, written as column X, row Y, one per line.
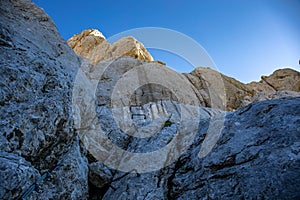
column 89, row 34
column 281, row 79
column 92, row 45
column 95, row 32
column 281, row 83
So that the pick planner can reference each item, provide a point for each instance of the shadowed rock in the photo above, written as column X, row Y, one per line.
column 252, row 153
column 36, row 80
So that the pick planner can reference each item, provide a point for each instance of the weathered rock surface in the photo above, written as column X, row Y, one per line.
column 84, row 44
column 261, row 96
column 233, row 94
column 282, row 83
column 70, row 178
column 212, row 88
column 256, row 157
column 144, row 82
column 91, row 44
column 16, row 175
column 282, row 79
column 37, row 72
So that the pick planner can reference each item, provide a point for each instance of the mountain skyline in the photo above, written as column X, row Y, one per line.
column 245, row 39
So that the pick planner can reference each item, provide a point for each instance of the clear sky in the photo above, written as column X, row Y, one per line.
column 245, row 38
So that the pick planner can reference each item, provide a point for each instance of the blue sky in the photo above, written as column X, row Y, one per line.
column 245, row 38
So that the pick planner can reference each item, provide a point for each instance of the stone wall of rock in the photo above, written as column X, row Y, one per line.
column 248, row 161
column 282, row 83
column 229, row 94
column 36, row 79
column 234, row 92
column 252, row 153
column 256, row 157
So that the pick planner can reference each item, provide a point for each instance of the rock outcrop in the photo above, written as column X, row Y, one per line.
column 53, row 106
column 248, row 161
column 282, row 79
column 234, row 92
column 256, row 156
column 92, row 45
column 281, row 83
column 37, row 72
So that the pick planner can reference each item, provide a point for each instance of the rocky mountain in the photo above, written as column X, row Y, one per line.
column 37, row 74
column 92, row 45
column 256, row 157
column 96, row 127
column 281, row 83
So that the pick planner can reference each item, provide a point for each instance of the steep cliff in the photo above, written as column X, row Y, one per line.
column 36, row 127
column 95, row 127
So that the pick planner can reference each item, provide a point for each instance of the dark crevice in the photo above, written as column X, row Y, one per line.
column 253, row 157
column 96, row 193
column 268, row 108
column 243, row 110
column 229, row 162
column 170, row 193
column 90, row 158
column 269, row 84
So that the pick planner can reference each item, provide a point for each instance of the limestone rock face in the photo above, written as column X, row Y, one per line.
column 262, row 96
column 257, row 155
column 91, row 44
column 282, row 79
column 85, row 42
column 282, row 83
column 145, row 82
column 16, row 175
column 214, row 85
column 212, row 88
column 37, row 72
column 252, row 153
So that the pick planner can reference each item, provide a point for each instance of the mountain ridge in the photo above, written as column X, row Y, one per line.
column 251, row 153
column 238, row 94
